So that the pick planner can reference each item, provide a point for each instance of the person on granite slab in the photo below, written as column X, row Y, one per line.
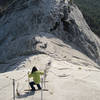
column 35, row 74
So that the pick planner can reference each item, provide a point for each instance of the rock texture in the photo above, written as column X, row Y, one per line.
column 24, row 20
column 52, row 35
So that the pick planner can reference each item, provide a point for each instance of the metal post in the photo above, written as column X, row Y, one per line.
column 42, row 89
column 44, row 77
column 28, row 81
column 13, row 89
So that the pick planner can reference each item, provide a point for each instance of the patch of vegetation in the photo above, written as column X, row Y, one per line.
column 4, row 3
column 91, row 12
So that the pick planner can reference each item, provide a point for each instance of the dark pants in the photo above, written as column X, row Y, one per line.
column 32, row 86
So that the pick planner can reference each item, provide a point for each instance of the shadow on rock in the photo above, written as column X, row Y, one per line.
column 26, row 94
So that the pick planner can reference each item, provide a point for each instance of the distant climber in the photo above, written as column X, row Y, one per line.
column 35, row 74
column 70, row 2
column 62, row 1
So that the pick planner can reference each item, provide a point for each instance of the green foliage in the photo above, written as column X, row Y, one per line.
column 91, row 12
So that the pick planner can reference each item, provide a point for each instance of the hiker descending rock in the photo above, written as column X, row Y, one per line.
column 35, row 74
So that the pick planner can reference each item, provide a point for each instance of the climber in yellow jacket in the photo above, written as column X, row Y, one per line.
column 35, row 74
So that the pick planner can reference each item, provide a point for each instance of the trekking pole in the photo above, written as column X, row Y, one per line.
column 42, row 89
column 44, row 77
column 13, row 89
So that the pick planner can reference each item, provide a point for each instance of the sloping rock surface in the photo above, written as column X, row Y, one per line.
column 25, row 19
column 52, row 35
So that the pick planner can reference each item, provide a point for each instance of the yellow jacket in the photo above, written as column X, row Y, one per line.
column 36, row 76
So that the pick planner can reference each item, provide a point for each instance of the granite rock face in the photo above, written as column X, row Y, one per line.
column 25, row 21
